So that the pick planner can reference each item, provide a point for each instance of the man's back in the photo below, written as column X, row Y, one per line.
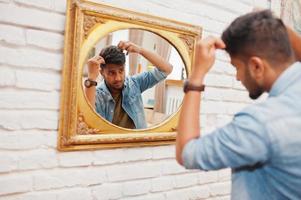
column 279, row 176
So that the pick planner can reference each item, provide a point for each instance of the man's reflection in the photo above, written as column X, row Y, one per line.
column 118, row 98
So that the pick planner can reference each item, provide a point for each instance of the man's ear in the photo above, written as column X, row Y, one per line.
column 256, row 68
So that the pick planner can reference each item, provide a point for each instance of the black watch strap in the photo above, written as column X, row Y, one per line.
column 190, row 87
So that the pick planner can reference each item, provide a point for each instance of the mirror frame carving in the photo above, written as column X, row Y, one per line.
column 80, row 127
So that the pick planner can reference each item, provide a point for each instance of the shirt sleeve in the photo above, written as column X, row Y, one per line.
column 243, row 142
column 149, row 79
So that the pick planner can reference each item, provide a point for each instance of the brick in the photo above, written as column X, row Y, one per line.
column 73, row 159
column 172, row 167
column 218, row 80
column 53, row 179
column 213, row 107
column 147, row 197
column 16, row 120
column 238, row 85
column 37, row 159
column 8, row 162
column 32, row 17
column 11, row 34
column 75, row 194
column 162, row 184
column 240, row 7
column 25, row 140
column 224, row 175
column 110, row 156
column 161, row 152
column 47, row 4
column 235, row 95
column 185, row 180
column 26, row 99
column 133, row 171
column 133, row 154
column 32, row 196
column 220, row 188
column 92, row 176
column 60, row 6
column 15, row 183
column 70, row 177
column 25, row 57
column 45, row 39
column 226, row 197
column 47, row 81
column 136, row 188
column 233, row 108
column 212, row 93
column 107, row 191
column 7, row 76
column 261, row 4
column 194, row 193
column 208, row 177
column 222, row 67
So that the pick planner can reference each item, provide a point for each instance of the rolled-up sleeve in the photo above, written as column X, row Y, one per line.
column 149, row 79
column 243, row 142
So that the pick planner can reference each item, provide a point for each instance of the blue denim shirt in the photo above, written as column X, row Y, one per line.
column 262, row 144
column 131, row 96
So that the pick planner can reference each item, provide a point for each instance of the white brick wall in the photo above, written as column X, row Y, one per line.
column 31, row 59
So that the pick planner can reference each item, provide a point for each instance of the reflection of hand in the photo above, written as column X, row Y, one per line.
column 94, row 66
column 129, row 47
column 205, row 55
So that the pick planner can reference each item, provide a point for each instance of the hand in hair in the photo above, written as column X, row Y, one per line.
column 94, row 66
column 205, row 56
column 129, row 47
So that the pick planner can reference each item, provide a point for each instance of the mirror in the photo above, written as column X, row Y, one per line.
column 160, row 101
column 90, row 27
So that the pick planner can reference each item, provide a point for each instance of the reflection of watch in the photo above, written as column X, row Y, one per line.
column 89, row 83
column 188, row 86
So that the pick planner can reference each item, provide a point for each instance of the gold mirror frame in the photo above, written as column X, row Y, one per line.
column 80, row 127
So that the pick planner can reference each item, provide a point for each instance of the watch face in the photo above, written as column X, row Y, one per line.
column 89, row 83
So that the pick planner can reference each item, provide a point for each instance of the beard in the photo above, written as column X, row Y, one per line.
column 254, row 89
column 256, row 93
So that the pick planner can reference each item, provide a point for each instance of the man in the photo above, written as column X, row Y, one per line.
column 118, row 98
column 262, row 144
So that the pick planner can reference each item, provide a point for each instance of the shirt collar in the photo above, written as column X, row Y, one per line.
column 290, row 75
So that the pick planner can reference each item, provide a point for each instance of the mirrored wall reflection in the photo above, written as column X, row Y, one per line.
column 158, row 102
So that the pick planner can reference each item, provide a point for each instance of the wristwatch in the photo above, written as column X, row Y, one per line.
column 188, row 86
column 89, row 83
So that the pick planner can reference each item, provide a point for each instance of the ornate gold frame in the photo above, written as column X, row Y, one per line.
column 79, row 126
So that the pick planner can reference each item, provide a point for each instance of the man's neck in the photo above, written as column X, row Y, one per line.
column 276, row 72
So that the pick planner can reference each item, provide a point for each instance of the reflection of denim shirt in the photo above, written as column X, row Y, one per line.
column 262, row 144
column 131, row 96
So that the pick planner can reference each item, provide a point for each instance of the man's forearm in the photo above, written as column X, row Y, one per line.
column 189, row 122
column 90, row 93
column 157, row 60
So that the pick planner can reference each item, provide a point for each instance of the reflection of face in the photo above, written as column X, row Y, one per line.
column 243, row 74
column 114, row 76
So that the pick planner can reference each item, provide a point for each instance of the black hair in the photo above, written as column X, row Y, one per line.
column 112, row 55
column 258, row 34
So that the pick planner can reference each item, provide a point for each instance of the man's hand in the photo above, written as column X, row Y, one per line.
column 204, row 57
column 94, row 66
column 129, row 47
